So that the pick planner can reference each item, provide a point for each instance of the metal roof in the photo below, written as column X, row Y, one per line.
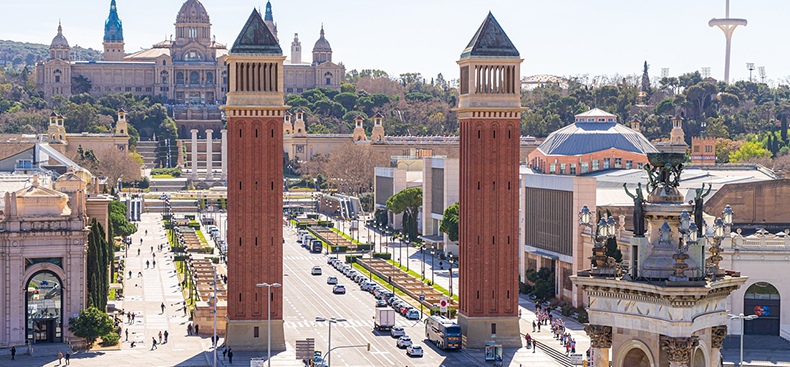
column 256, row 38
column 588, row 137
column 490, row 40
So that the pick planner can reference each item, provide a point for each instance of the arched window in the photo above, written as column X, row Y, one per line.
column 328, row 77
column 194, row 78
column 209, row 78
column 762, row 290
column 44, row 302
column 179, row 77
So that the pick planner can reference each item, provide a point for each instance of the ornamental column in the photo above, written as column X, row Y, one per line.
column 209, row 155
column 224, row 162
column 717, row 335
column 600, row 342
column 679, row 350
column 194, row 153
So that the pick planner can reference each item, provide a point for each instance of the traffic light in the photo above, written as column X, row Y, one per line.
column 368, row 347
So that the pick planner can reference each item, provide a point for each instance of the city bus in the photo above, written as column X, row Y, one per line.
column 443, row 332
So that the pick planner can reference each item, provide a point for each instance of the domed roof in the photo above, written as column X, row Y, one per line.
column 113, row 27
column 59, row 41
column 192, row 12
column 588, row 137
column 322, row 45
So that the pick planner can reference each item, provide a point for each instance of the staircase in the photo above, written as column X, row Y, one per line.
column 147, row 149
column 561, row 358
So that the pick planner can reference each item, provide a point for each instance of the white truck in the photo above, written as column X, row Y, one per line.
column 385, row 318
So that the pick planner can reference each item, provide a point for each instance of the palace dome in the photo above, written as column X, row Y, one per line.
column 602, row 132
column 322, row 45
column 192, row 12
column 59, row 41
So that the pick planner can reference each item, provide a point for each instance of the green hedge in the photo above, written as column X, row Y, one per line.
column 326, row 223
column 175, row 172
column 312, row 216
column 365, row 246
column 352, row 258
column 451, row 311
column 382, row 255
column 339, row 248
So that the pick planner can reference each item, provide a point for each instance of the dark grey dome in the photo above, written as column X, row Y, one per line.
column 587, row 137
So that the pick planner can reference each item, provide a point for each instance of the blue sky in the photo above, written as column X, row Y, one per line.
column 562, row 37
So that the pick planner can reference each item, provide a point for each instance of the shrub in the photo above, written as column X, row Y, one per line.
column 339, row 248
column 365, row 246
column 582, row 316
column 214, row 259
column 175, row 172
column 110, row 339
column 352, row 258
column 382, row 255
column 90, row 324
column 452, row 311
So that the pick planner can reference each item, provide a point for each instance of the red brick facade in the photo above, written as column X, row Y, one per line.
column 489, row 206
column 579, row 164
column 255, row 166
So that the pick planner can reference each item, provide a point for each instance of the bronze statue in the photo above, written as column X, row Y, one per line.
column 699, row 199
column 639, row 210
column 651, row 177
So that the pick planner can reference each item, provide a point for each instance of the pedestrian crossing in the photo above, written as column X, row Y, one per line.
column 344, row 324
column 302, row 258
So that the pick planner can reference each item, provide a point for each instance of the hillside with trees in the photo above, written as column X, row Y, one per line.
column 18, row 55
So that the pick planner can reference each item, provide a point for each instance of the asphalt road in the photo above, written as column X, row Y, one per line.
column 308, row 297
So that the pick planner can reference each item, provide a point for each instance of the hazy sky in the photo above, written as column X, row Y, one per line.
column 561, row 37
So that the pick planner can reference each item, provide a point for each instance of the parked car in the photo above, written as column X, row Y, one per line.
column 331, row 280
column 413, row 314
column 391, row 300
column 414, row 351
column 331, row 260
column 381, row 303
column 404, row 342
column 316, row 270
column 339, row 289
column 397, row 332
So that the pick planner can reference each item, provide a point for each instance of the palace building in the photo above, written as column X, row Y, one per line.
column 188, row 71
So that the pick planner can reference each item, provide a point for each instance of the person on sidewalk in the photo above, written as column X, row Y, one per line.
column 230, row 356
column 153, row 343
column 163, row 307
column 224, row 352
column 138, row 252
column 154, row 262
column 160, row 337
column 127, row 335
column 68, row 357
column 533, row 326
column 13, row 353
column 166, row 334
column 147, row 264
column 60, row 358
column 197, row 330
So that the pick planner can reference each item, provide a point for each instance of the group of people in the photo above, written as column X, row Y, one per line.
column 561, row 334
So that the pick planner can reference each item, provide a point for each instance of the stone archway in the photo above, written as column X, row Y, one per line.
column 699, row 358
column 634, row 353
column 762, row 299
column 44, row 307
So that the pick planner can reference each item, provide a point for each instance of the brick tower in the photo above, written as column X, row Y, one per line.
column 489, row 112
column 255, row 114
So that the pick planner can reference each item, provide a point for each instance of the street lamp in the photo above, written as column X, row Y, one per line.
column 433, row 253
column 214, row 301
column 269, row 318
column 451, row 261
column 329, row 338
column 742, row 318
column 422, row 249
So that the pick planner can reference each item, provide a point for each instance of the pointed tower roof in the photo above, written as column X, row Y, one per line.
column 268, row 15
column 113, row 28
column 490, row 41
column 256, row 38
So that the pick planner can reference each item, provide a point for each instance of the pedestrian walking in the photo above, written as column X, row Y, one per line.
column 127, row 334
column 163, row 307
column 166, row 334
column 224, row 352
column 130, row 274
column 139, row 274
column 153, row 343
column 60, row 358
column 533, row 326
column 160, row 337
column 68, row 356
column 13, row 353
column 147, row 263
column 154, row 262
column 138, row 252
column 152, row 250
column 197, row 329
column 230, row 355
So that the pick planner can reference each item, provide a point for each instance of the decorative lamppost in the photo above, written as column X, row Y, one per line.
column 451, row 261
column 604, row 230
column 422, row 249
column 742, row 318
column 433, row 253
column 720, row 227
column 688, row 236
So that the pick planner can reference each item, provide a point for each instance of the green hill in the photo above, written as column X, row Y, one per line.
column 20, row 54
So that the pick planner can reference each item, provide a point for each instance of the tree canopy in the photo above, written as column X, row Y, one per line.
column 450, row 222
column 407, row 201
column 91, row 324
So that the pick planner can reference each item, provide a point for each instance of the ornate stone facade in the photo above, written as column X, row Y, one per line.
column 717, row 335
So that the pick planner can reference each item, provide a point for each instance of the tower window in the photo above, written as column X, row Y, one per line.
column 239, row 297
column 478, row 295
column 256, row 133
column 239, row 241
